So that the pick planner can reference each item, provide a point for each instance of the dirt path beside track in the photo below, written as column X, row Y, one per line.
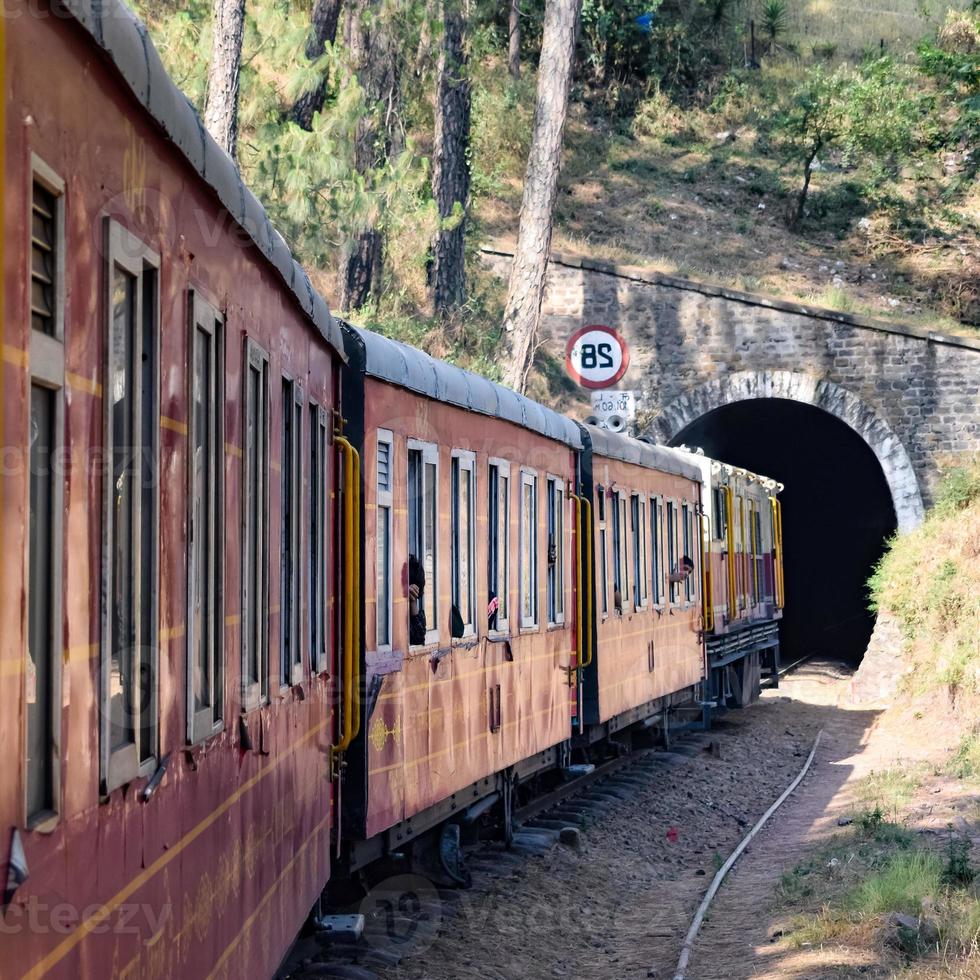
column 621, row 905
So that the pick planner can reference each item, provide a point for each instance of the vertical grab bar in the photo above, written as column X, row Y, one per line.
column 707, row 598
column 730, row 541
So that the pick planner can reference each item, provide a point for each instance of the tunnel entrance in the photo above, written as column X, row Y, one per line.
column 837, row 514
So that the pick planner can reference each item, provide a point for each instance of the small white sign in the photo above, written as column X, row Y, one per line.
column 606, row 403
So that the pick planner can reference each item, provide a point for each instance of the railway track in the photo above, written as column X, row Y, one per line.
column 404, row 911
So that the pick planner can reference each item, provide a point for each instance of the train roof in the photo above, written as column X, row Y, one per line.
column 710, row 466
column 405, row 366
column 615, row 445
column 124, row 39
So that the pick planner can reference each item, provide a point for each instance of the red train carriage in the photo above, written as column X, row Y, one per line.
column 745, row 590
column 470, row 609
column 647, row 567
column 166, row 389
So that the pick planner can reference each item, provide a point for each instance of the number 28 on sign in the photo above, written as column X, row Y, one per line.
column 596, row 356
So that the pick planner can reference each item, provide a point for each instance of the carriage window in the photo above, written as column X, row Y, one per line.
column 672, row 566
column 656, row 546
column 720, row 523
column 529, row 549
column 47, row 227
column 45, row 531
column 687, row 552
column 255, row 539
column 205, row 629
column 603, row 560
column 499, row 563
column 130, row 507
column 620, row 578
column 317, row 539
column 556, row 551
column 423, row 563
column 290, row 534
column 639, row 516
column 383, row 556
column 463, row 543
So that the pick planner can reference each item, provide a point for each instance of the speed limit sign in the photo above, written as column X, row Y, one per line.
column 596, row 356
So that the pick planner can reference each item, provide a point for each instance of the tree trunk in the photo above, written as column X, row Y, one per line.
column 326, row 14
column 530, row 266
column 378, row 137
column 797, row 216
column 450, row 172
column 514, row 40
column 224, row 73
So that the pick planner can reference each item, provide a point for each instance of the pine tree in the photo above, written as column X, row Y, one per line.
column 326, row 15
column 373, row 55
column 526, row 288
column 451, row 172
column 514, row 39
column 224, row 73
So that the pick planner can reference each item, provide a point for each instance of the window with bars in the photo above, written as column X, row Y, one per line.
column 639, row 517
column 603, row 550
column 672, row 565
column 556, row 551
column 290, row 534
column 206, row 624
column 383, row 570
column 46, row 258
column 255, row 529
column 45, row 549
column 463, row 540
column 131, row 510
column 688, row 549
column 656, row 549
column 317, row 538
column 529, row 549
column 620, row 554
column 498, row 577
column 423, row 555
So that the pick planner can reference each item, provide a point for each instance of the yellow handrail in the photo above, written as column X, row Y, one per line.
column 579, row 580
column 753, row 535
column 587, row 602
column 351, row 721
column 707, row 599
column 730, row 541
column 777, row 540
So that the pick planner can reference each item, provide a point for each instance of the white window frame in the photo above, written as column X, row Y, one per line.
column 291, row 659
column 529, row 478
column 125, row 251
column 641, row 571
column 385, row 502
column 687, row 534
column 502, row 467
column 464, row 460
column 430, row 455
column 671, row 505
column 208, row 721
column 622, row 560
column 255, row 694
column 318, row 537
column 556, row 572
column 47, row 370
column 657, row 550
column 602, row 502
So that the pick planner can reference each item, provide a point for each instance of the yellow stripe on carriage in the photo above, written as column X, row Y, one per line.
column 104, row 911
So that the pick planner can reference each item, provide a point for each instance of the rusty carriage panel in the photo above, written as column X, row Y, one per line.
column 449, row 707
column 140, row 845
column 648, row 574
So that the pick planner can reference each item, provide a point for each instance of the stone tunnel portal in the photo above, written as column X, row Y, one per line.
column 837, row 513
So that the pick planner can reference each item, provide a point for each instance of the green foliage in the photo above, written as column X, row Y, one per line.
column 901, row 886
column 959, row 489
column 965, row 763
column 868, row 114
column 773, row 21
column 958, row 871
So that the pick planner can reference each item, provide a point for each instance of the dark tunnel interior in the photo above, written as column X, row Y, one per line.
column 837, row 514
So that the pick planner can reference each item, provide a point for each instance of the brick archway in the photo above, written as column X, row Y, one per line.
column 826, row 395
